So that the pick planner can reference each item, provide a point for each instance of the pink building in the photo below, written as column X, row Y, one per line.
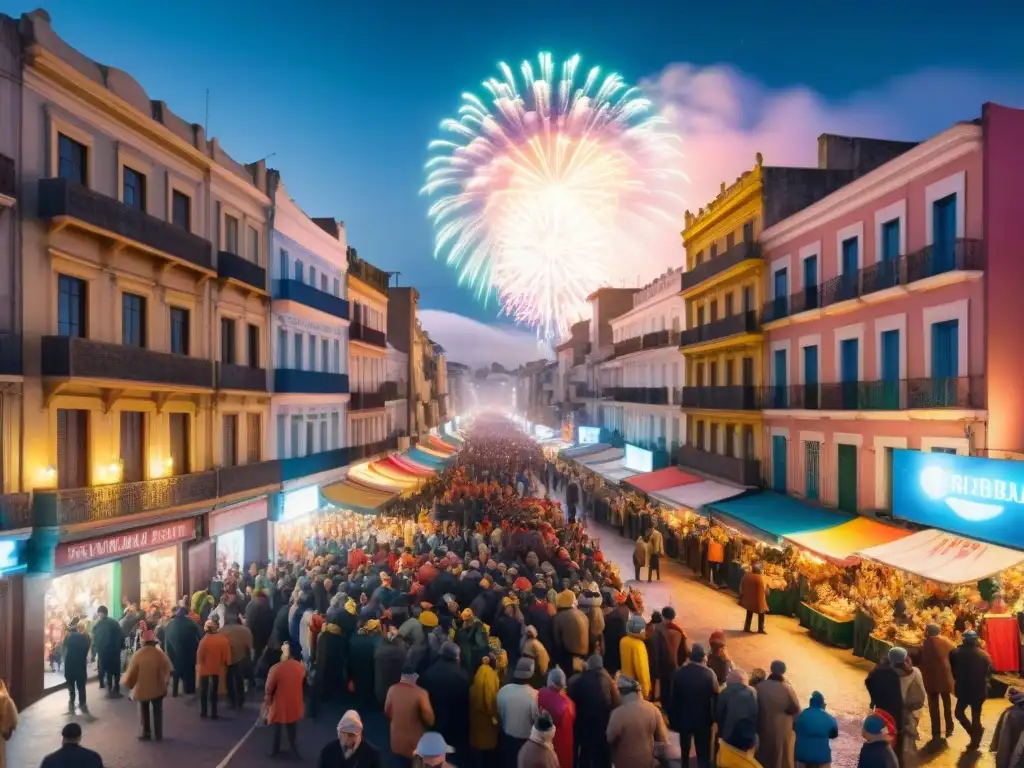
column 878, row 324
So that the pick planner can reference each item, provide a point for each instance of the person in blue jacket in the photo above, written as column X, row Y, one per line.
column 815, row 728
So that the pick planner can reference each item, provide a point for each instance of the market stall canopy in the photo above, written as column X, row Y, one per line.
column 696, row 495
column 773, row 516
column 425, row 459
column 434, row 453
column 452, row 440
column 840, row 544
column 441, row 446
column 662, row 479
column 609, row 454
column 613, row 471
column 349, row 496
column 392, row 472
column 580, row 451
column 374, row 483
column 944, row 557
column 403, row 463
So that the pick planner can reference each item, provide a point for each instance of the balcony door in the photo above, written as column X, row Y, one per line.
column 945, row 363
column 72, row 448
column 810, row 354
column 181, row 441
column 811, row 282
column 890, row 341
column 780, row 379
column 849, row 372
column 781, row 293
column 133, row 446
column 943, row 234
column 848, row 284
column 847, row 480
column 778, row 463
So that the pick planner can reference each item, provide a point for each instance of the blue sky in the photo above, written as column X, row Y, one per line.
column 346, row 94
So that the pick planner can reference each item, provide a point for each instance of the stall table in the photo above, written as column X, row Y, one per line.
column 825, row 629
column 1002, row 641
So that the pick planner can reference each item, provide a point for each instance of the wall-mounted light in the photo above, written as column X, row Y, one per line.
column 47, row 475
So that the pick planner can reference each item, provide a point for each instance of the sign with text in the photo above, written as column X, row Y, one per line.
column 638, row 459
column 123, row 544
column 238, row 516
column 972, row 496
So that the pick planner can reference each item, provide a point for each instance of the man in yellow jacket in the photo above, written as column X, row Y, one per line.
column 633, row 651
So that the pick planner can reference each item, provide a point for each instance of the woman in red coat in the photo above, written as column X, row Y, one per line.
column 284, row 697
column 554, row 700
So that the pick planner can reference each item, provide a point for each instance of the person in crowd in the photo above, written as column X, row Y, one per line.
column 539, row 749
column 240, row 641
column 633, row 651
column 614, row 630
column 938, row 680
column 147, row 676
column 432, row 751
column 447, row 684
column 259, row 618
column 885, row 690
column 636, row 729
column 914, row 697
column 655, row 551
column 754, row 597
column 737, row 750
column 571, row 630
column 71, row 753
column 1008, row 737
column 640, row 554
column 107, row 643
column 691, row 707
column 736, row 702
column 284, row 698
column 350, row 749
column 590, row 603
column 8, row 721
column 876, row 751
column 76, row 656
column 718, row 659
column 971, row 668
column 330, row 676
column 534, row 649
column 815, row 729
column 362, row 650
column 668, row 652
column 517, row 711
column 556, row 702
column 212, row 659
column 483, row 711
column 777, row 705
column 595, row 695
column 407, row 707
column 388, row 662
column 182, row 636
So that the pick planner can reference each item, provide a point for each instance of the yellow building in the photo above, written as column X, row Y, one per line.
column 722, row 343
column 367, row 351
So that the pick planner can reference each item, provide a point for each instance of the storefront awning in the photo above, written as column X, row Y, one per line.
column 944, row 557
column 349, row 496
column 425, row 458
column 840, row 544
column 392, row 474
column 613, row 471
column 403, row 464
column 696, row 495
column 773, row 516
column 453, row 440
column 661, row 479
column 589, row 449
column 442, row 447
column 609, row 454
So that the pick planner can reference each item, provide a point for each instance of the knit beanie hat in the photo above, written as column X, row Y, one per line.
column 873, row 725
column 636, row 625
column 556, row 678
column 543, row 731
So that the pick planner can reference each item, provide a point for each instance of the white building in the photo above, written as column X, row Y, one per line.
column 396, row 388
column 308, row 265
column 645, row 372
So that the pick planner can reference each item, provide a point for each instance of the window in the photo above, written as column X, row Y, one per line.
column 890, row 240
column 229, row 436
column 312, row 276
column 181, row 210
column 254, row 438
column 297, row 270
column 230, row 234
column 943, row 255
column 730, row 440
column 748, row 232
column 310, row 433
column 700, row 435
column 297, row 359
column 133, row 446
column 325, row 355
column 227, row 340
column 335, row 430
column 323, row 435
column 699, row 258
column 748, row 298
column 312, row 352
column 134, row 184
column 254, row 245
column 296, row 448
column 730, row 240
column 728, row 307
column 282, row 424
column 72, row 160
column 282, row 348
column 133, row 320
column 337, row 356
column 181, row 443
column 713, row 251
column 337, row 287
column 72, row 448
column 323, row 283
column 748, row 441
column 812, row 470
column 938, row 449
column 179, row 331
column 283, row 264
column 71, row 307
column 253, row 346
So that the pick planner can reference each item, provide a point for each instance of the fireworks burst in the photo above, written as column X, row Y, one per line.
column 550, row 190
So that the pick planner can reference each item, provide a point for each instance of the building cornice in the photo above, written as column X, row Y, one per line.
column 635, row 312
column 365, row 289
column 949, row 145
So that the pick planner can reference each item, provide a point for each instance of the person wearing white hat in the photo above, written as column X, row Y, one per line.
column 350, row 749
column 433, row 750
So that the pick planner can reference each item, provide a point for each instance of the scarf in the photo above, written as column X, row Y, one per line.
column 545, row 738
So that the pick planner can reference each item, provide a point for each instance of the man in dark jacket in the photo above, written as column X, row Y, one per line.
column 595, row 695
column 691, row 705
column 388, row 661
column 971, row 668
column 886, row 692
column 182, row 638
column 447, row 684
column 76, row 655
column 71, row 753
column 669, row 652
column 614, row 631
column 330, row 675
column 259, row 618
column 350, row 749
column 108, row 641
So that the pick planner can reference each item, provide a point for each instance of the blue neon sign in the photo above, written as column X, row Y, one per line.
column 981, row 498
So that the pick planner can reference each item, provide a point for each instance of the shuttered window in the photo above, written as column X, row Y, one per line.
column 230, row 440
column 812, row 470
column 133, row 446
column 72, row 448
column 254, row 438
column 181, row 443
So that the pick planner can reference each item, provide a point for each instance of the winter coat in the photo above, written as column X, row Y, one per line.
column 365, row 756
column 284, row 692
column 75, row 652
column 640, row 553
column 614, row 631
column 8, row 721
column 563, row 714
column 483, row 709
column 877, row 752
column 885, row 691
column 668, row 653
column 692, row 704
column 388, row 660
column 971, row 667
column 408, row 708
column 730, row 757
column 72, row 756
column 259, row 618
column 538, row 616
column 362, row 648
column 632, row 732
column 447, row 684
column 412, row 631
column 534, row 755
column 571, row 630
column 148, row 673
column 753, row 594
column 213, row 655
column 181, row 640
column 935, row 667
column 736, row 702
column 240, row 639
column 472, row 641
column 720, row 664
column 777, row 705
column 656, row 542
column 1007, row 735
column 331, row 673
column 636, row 663
column 509, row 631
column 815, row 728
column 534, row 649
column 108, row 640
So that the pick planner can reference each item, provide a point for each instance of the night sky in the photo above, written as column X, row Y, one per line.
column 344, row 95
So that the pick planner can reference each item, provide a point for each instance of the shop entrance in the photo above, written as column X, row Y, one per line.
column 158, row 581
column 230, row 550
column 75, row 596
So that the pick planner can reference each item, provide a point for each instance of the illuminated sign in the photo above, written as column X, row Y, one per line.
column 10, row 550
column 589, row 435
column 639, row 460
column 301, row 502
column 981, row 498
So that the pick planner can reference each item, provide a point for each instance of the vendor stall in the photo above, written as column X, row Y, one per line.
column 612, row 471
column 586, row 450
column 662, row 480
column 609, row 454
column 348, row 495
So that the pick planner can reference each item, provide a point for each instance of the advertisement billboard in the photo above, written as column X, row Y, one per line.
column 589, row 435
column 638, row 459
column 976, row 497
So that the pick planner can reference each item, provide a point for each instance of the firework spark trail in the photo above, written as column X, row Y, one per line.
column 545, row 189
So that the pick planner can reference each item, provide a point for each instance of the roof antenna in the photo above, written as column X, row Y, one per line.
column 395, row 275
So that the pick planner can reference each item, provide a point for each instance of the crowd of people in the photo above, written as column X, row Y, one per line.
column 488, row 627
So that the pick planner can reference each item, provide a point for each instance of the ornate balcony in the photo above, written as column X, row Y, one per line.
column 61, row 200
column 718, row 264
column 248, row 477
column 726, row 398
column 231, row 266
column 15, row 511
column 653, row 340
column 11, row 355
column 367, row 335
column 294, row 290
column 744, row 322
column 365, row 401
column 964, row 392
column 645, row 395
column 314, row 463
column 292, row 381
column 395, row 390
column 739, row 471
column 241, row 377
column 74, row 358
column 628, row 346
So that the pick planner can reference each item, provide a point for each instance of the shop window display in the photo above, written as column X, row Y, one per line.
column 74, row 596
column 158, row 581
column 230, row 550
